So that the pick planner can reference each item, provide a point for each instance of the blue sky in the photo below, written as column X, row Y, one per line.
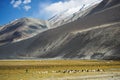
column 42, row 9
column 9, row 13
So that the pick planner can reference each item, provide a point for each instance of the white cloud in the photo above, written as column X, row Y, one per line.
column 16, row 3
column 27, row 1
column 27, row 7
column 61, row 6
column 70, row 5
column 20, row 3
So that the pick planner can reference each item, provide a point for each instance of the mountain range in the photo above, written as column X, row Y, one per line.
column 90, row 33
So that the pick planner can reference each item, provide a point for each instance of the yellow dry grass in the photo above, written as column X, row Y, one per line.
column 56, row 69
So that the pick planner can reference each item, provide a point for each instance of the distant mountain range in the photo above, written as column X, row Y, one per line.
column 22, row 29
column 90, row 33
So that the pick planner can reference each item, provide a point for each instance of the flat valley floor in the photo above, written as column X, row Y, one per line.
column 59, row 70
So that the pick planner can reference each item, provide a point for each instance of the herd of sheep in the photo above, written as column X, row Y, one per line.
column 77, row 71
column 70, row 71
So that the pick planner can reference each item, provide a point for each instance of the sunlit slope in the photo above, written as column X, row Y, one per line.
column 21, row 29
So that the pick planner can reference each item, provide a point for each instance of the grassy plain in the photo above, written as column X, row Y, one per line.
column 59, row 70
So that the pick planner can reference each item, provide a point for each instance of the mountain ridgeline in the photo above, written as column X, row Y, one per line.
column 93, row 33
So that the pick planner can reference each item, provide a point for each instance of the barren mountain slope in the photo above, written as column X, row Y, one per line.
column 95, row 36
column 104, row 4
column 99, row 42
column 21, row 29
column 0, row 27
column 59, row 20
